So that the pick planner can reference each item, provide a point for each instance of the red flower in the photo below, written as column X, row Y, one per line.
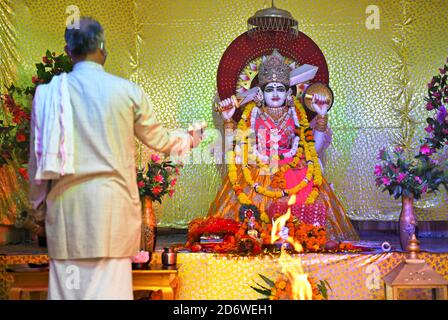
column 216, row 225
column 156, row 190
column 35, row 79
column 196, row 248
column 24, row 173
column 171, row 193
column 141, row 184
column 173, row 182
column 155, row 158
column 19, row 115
column 17, row 119
column 158, row 178
column 20, row 137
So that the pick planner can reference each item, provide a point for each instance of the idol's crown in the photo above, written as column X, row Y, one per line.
column 273, row 69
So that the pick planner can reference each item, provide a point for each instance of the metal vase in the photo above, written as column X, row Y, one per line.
column 407, row 222
column 149, row 226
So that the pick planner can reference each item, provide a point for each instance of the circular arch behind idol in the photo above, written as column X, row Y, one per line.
column 244, row 49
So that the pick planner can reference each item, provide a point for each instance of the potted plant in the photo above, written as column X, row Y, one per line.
column 407, row 176
column 408, row 179
column 15, row 115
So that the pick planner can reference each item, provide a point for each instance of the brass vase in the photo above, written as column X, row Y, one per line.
column 149, row 227
column 407, row 221
column 13, row 194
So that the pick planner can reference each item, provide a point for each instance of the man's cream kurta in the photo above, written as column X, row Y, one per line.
column 97, row 212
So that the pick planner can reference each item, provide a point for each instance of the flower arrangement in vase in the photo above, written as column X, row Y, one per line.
column 410, row 176
column 154, row 182
column 159, row 178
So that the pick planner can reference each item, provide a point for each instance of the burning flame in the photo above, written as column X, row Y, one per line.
column 292, row 268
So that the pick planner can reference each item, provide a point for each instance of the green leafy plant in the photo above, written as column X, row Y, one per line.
column 14, row 130
column 404, row 175
column 436, row 101
column 409, row 177
column 15, row 116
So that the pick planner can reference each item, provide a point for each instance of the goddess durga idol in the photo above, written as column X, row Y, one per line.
column 277, row 152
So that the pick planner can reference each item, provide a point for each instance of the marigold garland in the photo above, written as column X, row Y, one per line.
column 240, row 237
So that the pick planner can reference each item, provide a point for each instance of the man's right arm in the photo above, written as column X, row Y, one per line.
column 153, row 134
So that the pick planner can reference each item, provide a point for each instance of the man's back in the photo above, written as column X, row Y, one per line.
column 82, row 166
column 103, row 119
column 96, row 211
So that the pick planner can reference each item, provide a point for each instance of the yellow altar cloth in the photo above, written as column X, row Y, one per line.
column 205, row 276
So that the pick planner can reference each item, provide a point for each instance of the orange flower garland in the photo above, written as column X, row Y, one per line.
column 313, row 173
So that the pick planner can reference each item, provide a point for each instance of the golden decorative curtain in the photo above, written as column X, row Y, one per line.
column 172, row 49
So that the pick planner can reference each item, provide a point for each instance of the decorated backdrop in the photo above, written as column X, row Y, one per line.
column 380, row 56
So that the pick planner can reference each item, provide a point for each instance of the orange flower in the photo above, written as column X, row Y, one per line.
column 240, row 233
column 281, row 285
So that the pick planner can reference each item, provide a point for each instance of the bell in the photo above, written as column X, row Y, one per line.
column 272, row 19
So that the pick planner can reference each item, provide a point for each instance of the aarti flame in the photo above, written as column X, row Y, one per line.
column 291, row 267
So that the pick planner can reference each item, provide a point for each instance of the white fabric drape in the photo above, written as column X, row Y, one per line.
column 91, row 279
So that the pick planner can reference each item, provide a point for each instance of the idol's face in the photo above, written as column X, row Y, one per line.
column 274, row 94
